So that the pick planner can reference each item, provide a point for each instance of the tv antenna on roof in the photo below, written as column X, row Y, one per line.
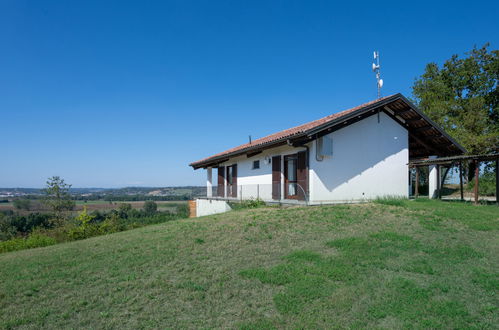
column 376, row 69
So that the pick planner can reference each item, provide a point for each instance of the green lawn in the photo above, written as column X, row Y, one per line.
column 414, row 264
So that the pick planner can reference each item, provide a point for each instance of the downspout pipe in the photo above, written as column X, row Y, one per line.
column 317, row 158
column 307, row 150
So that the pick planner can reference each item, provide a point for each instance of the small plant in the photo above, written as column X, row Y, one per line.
column 247, row 204
column 391, row 200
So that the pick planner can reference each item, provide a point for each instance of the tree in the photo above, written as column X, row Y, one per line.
column 57, row 196
column 463, row 97
column 150, row 207
column 124, row 209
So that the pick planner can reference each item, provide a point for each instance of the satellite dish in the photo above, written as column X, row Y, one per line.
column 374, row 67
column 380, row 83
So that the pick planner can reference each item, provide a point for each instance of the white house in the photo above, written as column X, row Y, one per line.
column 357, row 154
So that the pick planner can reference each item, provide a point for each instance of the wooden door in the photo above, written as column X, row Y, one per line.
column 221, row 182
column 234, row 181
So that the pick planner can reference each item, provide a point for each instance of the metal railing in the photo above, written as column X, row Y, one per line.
column 265, row 192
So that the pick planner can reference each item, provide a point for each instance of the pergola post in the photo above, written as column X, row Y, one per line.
column 209, row 182
column 433, row 179
column 461, row 180
column 497, row 181
column 477, row 172
column 416, row 187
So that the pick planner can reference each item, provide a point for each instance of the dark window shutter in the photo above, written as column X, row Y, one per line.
column 234, row 180
column 221, row 181
column 276, row 177
column 302, row 175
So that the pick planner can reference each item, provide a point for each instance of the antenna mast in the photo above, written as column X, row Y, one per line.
column 376, row 69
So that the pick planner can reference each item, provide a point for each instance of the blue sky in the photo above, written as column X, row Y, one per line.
column 122, row 93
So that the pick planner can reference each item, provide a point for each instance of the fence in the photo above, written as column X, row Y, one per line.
column 265, row 192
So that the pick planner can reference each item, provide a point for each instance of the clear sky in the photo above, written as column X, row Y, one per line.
column 128, row 93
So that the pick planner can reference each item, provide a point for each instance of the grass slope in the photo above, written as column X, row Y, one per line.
column 423, row 264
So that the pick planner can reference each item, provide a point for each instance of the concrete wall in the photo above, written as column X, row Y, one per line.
column 369, row 160
column 208, row 207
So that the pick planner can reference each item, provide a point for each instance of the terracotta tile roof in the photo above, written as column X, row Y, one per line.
column 287, row 133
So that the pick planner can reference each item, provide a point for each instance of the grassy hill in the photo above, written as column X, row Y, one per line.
column 410, row 264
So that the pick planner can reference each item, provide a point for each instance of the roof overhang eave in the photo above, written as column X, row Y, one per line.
column 211, row 162
column 432, row 123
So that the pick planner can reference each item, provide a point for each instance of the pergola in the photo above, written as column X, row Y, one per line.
column 449, row 162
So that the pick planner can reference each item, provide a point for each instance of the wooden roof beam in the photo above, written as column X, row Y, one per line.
column 422, row 129
column 403, row 112
column 410, row 121
column 427, row 146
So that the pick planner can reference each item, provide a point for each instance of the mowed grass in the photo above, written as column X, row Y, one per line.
column 414, row 264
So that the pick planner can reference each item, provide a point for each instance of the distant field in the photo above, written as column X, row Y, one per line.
column 392, row 264
column 106, row 206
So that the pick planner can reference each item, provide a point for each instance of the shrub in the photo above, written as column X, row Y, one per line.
column 124, row 209
column 32, row 241
column 150, row 207
column 85, row 227
column 182, row 211
column 22, row 204
column 486, row 184
column 7, row 231
column 247, row 204
column 25, row 224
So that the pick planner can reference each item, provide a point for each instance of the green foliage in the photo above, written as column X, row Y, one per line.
column 486, row 183
column 463, row 98
column 247, row 204
column 32, row 241
column 22, row 204
column 150, row 207
column 182, row 210
column 85, row 228
column 124, row 209
column 23, row 224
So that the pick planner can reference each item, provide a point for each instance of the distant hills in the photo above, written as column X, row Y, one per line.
column 109, row 193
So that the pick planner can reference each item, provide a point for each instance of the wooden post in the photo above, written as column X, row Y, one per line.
column 497, row 181
column 461, row 180
column 416, row 188
column 477, row 172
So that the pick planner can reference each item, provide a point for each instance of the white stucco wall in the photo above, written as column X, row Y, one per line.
column 369, row 160
column 209, row 207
